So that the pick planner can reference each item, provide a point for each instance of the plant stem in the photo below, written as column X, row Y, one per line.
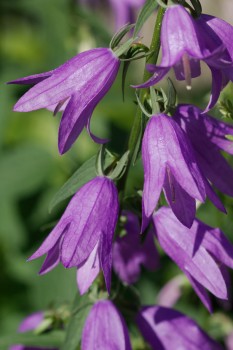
column 136, row 131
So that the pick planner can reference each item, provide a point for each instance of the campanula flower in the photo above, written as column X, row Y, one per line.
column 184, row 44
column 132, row 251
column 30, row 323
column 79, row 85
column 165, row 329
column 201, row 252
column 105, row 328
column 208, row 138
column 83, row 236
column 169, row 163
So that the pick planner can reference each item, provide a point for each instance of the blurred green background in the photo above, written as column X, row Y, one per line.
column 36, row 36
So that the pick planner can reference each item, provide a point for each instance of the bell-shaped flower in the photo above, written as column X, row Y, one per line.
column 201, row 252
column 30, row 323
column 169, row 163
column 167, row 329
column 83, row 236
column 132, row 251
column 208, row 138
column 184, row 44
column 79, row 85
column 105, row 328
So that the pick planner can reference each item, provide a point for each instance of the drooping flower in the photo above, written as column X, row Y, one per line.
column 184, row 44
column 169, row 163
column 166, row 329
column 83, row 236
column 208, row 138
column 79, row 85
column 105, row 328
column 30, row 323
column 132, row 251
column 201, row 252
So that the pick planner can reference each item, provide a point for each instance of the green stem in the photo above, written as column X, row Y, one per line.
column 135, row 134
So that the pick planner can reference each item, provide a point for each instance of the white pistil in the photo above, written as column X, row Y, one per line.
column 187, row 71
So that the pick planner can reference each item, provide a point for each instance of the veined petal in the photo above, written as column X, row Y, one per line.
column 184, row 246
column 95, row 209
column 88, row 271
column 32, row 79
column 201, row 292
column 158, row 74
column 105, row 328
column 165, row 328
column 181, row 160
column 154, row 163
column 183, row 206
column 217, row 84
column 78, row 111
column 178, row 36
column 202, row 128
column 52, row 239
column 73, row 76
column 52, row 259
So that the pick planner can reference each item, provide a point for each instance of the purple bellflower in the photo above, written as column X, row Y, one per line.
column 79, row 85
column 83, row 236
column 201, row 252
column 184, row 44
column 29, row 324
column 208, row 138
column 166, row 329
column 169, row 163
column 105, row 328
column 132, row 251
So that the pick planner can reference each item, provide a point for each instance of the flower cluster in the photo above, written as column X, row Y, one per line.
column 181, row 155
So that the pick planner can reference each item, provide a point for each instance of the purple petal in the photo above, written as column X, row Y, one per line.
column 132, row 251
column 67, row 79
column 105, row 328
column 154, row 163
column 52, row 259
column 158, row 74
column 32, row 79
column 183, row 206
column 201, row 292
column 164, row 328
column 94, row 212
column 171, row 292
column 178, row 36
column 31, row 322
column 89, row 270
column 187, row 248
column 217, row 83
column 94, row 138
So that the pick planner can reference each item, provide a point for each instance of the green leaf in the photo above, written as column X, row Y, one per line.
column 84, row 174
column 50, row 340
column 144, row 14
column 81, row 309
column 120, row 35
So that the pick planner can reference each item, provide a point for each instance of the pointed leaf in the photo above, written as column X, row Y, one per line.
column 144, row 14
